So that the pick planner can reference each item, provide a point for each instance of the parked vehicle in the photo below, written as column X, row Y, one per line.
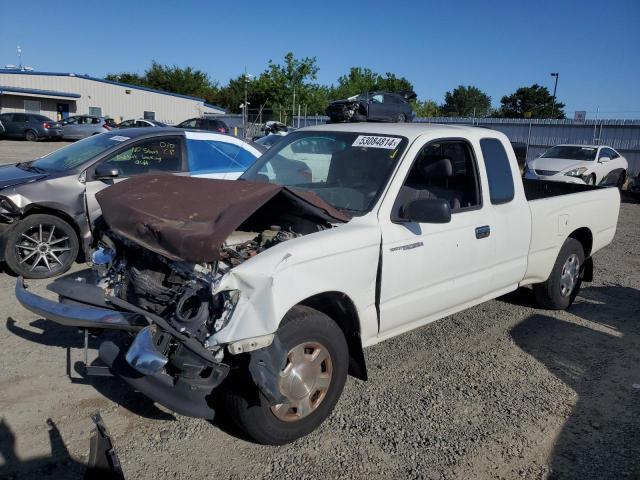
column 48, row 207
column 590, row 164
column 30, row 126
column 338, row 237
column 141, row 123
column 373, row 106
column 205, row 123
column 78, row 127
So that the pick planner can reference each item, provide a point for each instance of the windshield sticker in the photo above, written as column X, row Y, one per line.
column 119, row 138
column 389, row 143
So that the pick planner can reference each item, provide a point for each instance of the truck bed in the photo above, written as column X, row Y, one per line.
column 536, row 189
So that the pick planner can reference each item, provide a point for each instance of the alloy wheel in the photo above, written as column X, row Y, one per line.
column 42, row 247
column 569, row 275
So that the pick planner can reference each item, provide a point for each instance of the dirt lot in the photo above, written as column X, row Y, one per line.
column 503, row 390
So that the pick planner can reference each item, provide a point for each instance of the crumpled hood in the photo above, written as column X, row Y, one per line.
column 10, row 176
column 187, row 218
column 345, row 101
column 558, row 164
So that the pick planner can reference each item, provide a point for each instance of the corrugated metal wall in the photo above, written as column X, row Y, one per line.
column 112, row 99
column 623, row 135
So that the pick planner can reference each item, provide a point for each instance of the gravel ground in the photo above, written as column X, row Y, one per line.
column 503, row 390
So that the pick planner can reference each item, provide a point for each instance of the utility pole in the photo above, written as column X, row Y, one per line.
column 555, row 88
column 293, row 106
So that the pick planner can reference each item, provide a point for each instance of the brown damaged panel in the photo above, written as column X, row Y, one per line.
column 185, row 218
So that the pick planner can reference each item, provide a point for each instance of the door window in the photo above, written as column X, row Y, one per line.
column 376, row 98
column 188, row 123
column 442, row 170
column 157, row 155
column 71, row 121
column 211, row 156
column 19, row 117
column 496, row 162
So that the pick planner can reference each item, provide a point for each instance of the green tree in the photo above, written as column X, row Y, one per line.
column 531, row 102
column 466, row 101
column 185, row 81
column 360, row 80
column 426, row 108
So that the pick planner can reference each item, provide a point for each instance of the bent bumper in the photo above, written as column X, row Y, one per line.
column 77, row 315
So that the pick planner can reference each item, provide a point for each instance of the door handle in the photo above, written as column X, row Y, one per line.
column 483, row 232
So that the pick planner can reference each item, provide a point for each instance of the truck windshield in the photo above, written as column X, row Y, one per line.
column 571, row 152
column 76, row 154
column 347, row 170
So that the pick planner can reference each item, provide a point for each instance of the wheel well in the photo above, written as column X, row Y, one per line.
column 61, row 215
column 585, row 237
column 340, row 309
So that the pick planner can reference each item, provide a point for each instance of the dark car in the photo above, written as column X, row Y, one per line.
column 48, row 206
column 373, row 106
column 30, row 126
column 204, row 123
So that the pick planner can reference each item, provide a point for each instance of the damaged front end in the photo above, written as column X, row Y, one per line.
column 347, row 111
column 158, row 277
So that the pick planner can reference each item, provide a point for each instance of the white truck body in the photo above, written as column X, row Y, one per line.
column 428, row 271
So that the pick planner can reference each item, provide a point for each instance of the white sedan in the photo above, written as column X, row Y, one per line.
column 590, row 164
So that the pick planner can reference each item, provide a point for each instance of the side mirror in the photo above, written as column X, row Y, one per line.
column 106, row 171
column 604, row 159
column 431, row 210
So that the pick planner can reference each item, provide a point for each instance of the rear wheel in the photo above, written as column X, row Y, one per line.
column 41, row 246
column 311, row 381
column 401, row 118
column 562, row 286
column 31, row 135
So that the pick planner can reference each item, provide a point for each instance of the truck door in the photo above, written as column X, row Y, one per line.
column 429, row 269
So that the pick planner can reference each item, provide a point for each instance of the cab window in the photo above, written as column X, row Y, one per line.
column 496, row 162
column 445, row 170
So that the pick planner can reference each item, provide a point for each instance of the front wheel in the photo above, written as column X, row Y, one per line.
column 311, row 381
column 562, row 286
column 41, row 246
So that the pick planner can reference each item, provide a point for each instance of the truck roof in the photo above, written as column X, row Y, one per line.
column 409, row 130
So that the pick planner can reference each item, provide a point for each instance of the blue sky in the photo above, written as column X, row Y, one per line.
column 497, row 46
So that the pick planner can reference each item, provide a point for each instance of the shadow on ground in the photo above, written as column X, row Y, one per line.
column 599, row 360
column 54, row 335
column 58, row 465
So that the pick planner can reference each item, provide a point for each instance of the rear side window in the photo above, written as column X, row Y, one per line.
column 211, row 156
column 499, row 173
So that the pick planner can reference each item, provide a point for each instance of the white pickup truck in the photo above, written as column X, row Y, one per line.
column 258, row 296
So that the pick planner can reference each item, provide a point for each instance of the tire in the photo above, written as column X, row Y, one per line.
column 35, row 243
column 250, row 410
column 401, row 118
column 31, row 136
column 558, row 293
column 591, row 179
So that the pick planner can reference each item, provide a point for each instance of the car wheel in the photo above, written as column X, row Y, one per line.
column 41, row 246
column 31, row 136
column 401, row 118
column 312, row 381
column 562, row 286
column 591, row 179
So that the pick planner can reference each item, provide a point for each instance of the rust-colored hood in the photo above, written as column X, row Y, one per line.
column 185, row 218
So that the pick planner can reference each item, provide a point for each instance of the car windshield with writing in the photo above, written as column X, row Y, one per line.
column 74, row 155
column 347, row 170
column 571, row 152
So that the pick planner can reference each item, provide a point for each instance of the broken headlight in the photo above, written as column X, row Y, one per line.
column 229, row 300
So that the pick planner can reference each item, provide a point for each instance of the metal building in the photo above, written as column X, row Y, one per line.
column 59, row 95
